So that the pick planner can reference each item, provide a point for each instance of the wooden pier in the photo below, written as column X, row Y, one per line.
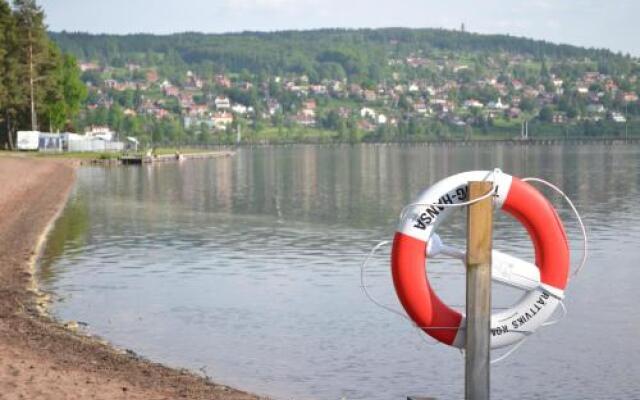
column 145, row 159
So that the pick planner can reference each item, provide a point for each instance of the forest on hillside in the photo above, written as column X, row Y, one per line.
column 321, row 54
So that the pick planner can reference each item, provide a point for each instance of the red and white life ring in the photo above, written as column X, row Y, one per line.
column 545, row 284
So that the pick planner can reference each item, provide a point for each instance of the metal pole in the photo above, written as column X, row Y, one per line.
column 626, row 122
column 478, row 319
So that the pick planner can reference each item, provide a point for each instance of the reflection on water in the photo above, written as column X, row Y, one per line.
column 248, row 267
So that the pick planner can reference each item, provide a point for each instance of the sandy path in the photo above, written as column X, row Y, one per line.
column 38, row 358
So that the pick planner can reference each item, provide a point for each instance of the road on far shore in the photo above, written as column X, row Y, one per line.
column 40, row 359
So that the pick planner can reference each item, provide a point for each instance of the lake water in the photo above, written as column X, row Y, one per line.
column 247, row 269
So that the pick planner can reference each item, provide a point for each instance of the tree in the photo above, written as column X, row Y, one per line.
column 74, row 91
column 546, row 114
column 5, row 17
column 331, row 120
column 11, row 92
column 527, row 104
column 33, row 46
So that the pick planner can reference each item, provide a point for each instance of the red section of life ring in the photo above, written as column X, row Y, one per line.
column 408, row 262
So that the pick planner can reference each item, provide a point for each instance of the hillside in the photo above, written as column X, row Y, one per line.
column 367, row 84
column 356, row 51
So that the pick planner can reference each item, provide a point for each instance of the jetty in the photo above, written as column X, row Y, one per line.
column 138, row 159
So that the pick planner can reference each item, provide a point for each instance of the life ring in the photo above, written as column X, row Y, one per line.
column 545, row 284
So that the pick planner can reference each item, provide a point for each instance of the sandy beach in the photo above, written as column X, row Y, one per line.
column 39, row 358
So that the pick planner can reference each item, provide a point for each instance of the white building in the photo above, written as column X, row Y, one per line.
column 368, row 112
column 222, row 103
column 100, row 132
column 618, row 117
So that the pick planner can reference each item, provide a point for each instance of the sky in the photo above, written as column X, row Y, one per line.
column 611, row 24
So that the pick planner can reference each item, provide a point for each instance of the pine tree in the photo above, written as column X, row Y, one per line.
column 5, row 16
column 33, row 53
column 11, row 92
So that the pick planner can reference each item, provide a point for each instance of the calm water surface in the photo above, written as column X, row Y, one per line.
column 248, row 269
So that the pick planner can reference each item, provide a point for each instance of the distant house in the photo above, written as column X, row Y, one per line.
column 222, row 103
column 517, row 84
column 559, row 117
column 367, row 112
column 240, row 109
column 610, row 85
column 223, row 81
column 473, row 103
column 304, row 120
column 89, row 66
column 497, row 105
column 186, row 100
column 370, row 95
column 222, row 119
column 319, row 89
column 273, row 106
column 198, row 110
column 152, row 76
column 308, row 112
column 420, row 107
column 596, row 108
column 171, row 91
column 193, row 82
column 100, row 132
column 132, row 67
column 337, row 87
column 110, row 83
column 618, row 118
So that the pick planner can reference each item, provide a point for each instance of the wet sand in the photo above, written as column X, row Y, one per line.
column 39, row 358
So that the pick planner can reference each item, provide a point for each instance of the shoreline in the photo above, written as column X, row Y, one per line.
column 42, row 302
column 39, row 357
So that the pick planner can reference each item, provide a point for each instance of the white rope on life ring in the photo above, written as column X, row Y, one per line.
column 544, row 284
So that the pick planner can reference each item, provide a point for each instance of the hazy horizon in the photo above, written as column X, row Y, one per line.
column 586, row 23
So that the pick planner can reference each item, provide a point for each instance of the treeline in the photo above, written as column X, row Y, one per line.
column 360, row 55
column 40, row 86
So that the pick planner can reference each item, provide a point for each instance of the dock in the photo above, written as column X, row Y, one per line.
column 145, row 159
